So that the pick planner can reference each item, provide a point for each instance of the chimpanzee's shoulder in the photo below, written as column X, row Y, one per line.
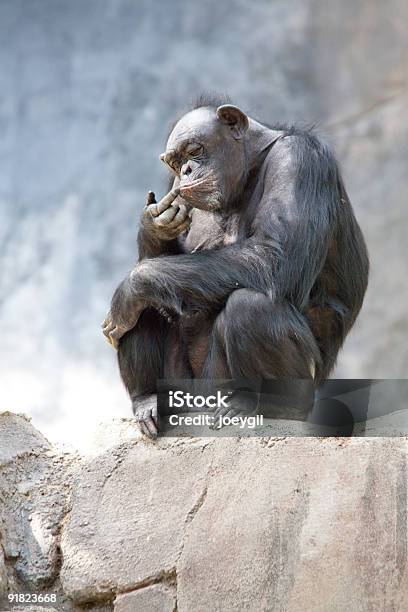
column 294, row 131
column 301, row 144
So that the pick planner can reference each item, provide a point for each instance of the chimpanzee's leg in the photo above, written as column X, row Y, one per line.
column 255, row 339
column 151, row 350
column 140, row 354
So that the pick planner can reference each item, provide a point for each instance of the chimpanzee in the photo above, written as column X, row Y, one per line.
column 253, row 265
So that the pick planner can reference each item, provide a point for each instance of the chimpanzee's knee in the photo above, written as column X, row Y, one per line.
column 262, row 338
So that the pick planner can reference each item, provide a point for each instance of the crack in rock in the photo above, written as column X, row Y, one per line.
column 198, row 504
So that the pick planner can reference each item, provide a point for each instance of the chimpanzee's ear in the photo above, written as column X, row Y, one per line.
column 235, row 118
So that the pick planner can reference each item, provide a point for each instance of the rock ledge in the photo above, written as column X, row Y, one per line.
column 204, row 524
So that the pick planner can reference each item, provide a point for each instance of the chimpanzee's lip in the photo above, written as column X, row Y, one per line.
column 192, row 184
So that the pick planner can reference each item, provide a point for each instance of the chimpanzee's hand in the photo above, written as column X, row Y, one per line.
column 168, row 218
column 122, row 316
column 114, row 328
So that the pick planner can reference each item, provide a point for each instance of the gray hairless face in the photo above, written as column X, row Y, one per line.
column 206, row 152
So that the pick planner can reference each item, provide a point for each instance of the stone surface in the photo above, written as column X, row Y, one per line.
column 116, row 539
column 86, row 97
column 35, row 482
column 284, row 524
column 154, row 598
column 3, row 572
column 18, row 437
column 112, row 433
column 300, row 525
column 289, row 524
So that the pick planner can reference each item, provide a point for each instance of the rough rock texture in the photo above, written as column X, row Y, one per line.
column 155, row 598
column 18, row 438
column 87, row 91
column 35, row 485
column 3, row 573
column 283, row 524
column 127, row 543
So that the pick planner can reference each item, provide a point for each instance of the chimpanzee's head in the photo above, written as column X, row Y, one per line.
column 206, row 150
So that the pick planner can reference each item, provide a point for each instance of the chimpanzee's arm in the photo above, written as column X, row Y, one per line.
column 150, row 246
column 203, row 279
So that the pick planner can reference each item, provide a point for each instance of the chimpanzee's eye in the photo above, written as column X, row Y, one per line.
column 194, row 150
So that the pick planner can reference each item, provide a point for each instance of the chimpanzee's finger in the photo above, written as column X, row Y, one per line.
column 150, row 198
column 107, row 333
column 216, row 424
column 115, row 335
column 180, row 217
column 107, row 322
column 114, row 343
column 108, row 328
column 221, row 412
column 143, row 428
column 155, row 416
column 107, row 319
column 167, row 216
column 167, row 200
column 151, row 427
column 185, row 226
column 146, row 424
column 231, row 414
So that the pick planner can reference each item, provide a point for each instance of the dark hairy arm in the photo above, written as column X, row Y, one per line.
column 149, row 245
column 203, row 279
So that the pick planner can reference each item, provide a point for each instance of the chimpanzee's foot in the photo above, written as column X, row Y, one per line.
column 146, row 414
column 240, row 403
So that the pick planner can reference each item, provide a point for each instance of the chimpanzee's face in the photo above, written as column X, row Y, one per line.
column 206, row 151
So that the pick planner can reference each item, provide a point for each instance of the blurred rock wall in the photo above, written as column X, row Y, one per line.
column 87, row 91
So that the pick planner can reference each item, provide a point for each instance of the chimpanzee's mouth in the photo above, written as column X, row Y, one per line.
column 192, row 185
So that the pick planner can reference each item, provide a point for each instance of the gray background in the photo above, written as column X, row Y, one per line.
column 87, row 91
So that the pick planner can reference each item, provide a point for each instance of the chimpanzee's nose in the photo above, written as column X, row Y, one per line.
column 186, row 169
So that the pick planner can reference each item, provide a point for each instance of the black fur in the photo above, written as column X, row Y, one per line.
column 280, row 298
